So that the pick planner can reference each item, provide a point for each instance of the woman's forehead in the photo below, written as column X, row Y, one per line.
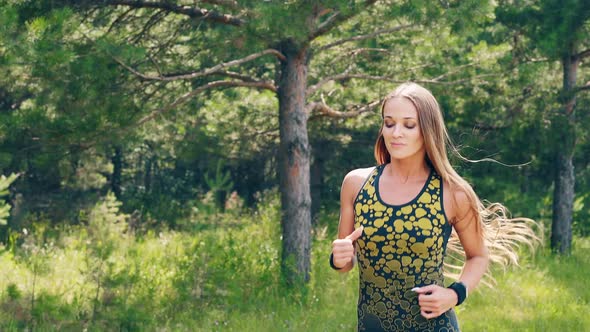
column 400, row 107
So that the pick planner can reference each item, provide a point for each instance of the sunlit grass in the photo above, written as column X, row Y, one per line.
column 548, row 293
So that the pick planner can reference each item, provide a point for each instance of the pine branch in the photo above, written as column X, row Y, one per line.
column 209, row 71
column 436, row 80
column 312, row 89
column 346, row 76
column 334, row 20
column 119, row 19
column 367, row 36
column 328, row 24
column 152, row 21
column 189, row 11
column 453, row 71
column 215, row 84
column 322, row 109
column 239, row 76
column 583, row 54
column 349, row 55
column 99, row 137
column 224, row 3
column 361, row 50
column 584, row 87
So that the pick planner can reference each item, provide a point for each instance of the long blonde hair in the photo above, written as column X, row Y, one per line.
column 502, row 234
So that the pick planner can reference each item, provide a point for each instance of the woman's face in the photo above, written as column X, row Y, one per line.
column 401, row 129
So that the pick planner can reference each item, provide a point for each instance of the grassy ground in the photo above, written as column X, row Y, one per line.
column 546, row 293
column 223, row 275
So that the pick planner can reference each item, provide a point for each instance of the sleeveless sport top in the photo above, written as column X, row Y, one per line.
column 402, row 247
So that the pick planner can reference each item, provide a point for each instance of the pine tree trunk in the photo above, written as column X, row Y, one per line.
column 563, row 196
column 294, row 159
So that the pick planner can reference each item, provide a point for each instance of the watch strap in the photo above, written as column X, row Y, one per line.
column 332, row 262
column 461, row 291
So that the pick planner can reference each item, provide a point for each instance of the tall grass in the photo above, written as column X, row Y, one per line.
column 221, row 273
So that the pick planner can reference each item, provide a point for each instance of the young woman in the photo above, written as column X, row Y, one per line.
column 398, row 220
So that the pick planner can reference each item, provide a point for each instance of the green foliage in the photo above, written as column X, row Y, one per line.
column 5, row 208
column 104, row 278
column 13, row 292
column 106, row 227
column 553, row 26
column 219, row 184
column 581, row 224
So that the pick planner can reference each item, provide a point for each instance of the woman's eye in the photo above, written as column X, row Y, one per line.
column 392, row 124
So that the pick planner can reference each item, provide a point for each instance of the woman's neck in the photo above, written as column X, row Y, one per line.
column 406, row 170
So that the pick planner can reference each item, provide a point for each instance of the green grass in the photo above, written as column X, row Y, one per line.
column 548, row 293
column 223, row 275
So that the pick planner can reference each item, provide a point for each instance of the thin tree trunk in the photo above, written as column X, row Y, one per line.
column 294, row 159
column 317, row 179
column 563, row 196
column 117, row 161
column 149, row 168
column 319, row 152
column 147, row 178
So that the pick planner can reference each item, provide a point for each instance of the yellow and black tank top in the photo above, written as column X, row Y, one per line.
column 402, row 247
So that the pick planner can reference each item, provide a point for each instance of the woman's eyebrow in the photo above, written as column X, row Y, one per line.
column 405, row 118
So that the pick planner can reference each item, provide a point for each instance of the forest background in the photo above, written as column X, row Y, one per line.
column 176, row 165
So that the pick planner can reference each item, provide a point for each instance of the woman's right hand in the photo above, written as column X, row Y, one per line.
column 343, row 249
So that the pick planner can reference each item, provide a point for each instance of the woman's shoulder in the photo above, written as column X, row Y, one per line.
column 355, row 179
column 458, row 192
column 457, row 199
column 359, row 173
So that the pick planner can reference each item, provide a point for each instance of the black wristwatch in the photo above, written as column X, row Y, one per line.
column 461, row 291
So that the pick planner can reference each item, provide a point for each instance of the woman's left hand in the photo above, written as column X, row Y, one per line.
column 435, row 300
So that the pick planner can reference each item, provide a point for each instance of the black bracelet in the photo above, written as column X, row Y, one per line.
column 461, row 291
column 332, row 262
